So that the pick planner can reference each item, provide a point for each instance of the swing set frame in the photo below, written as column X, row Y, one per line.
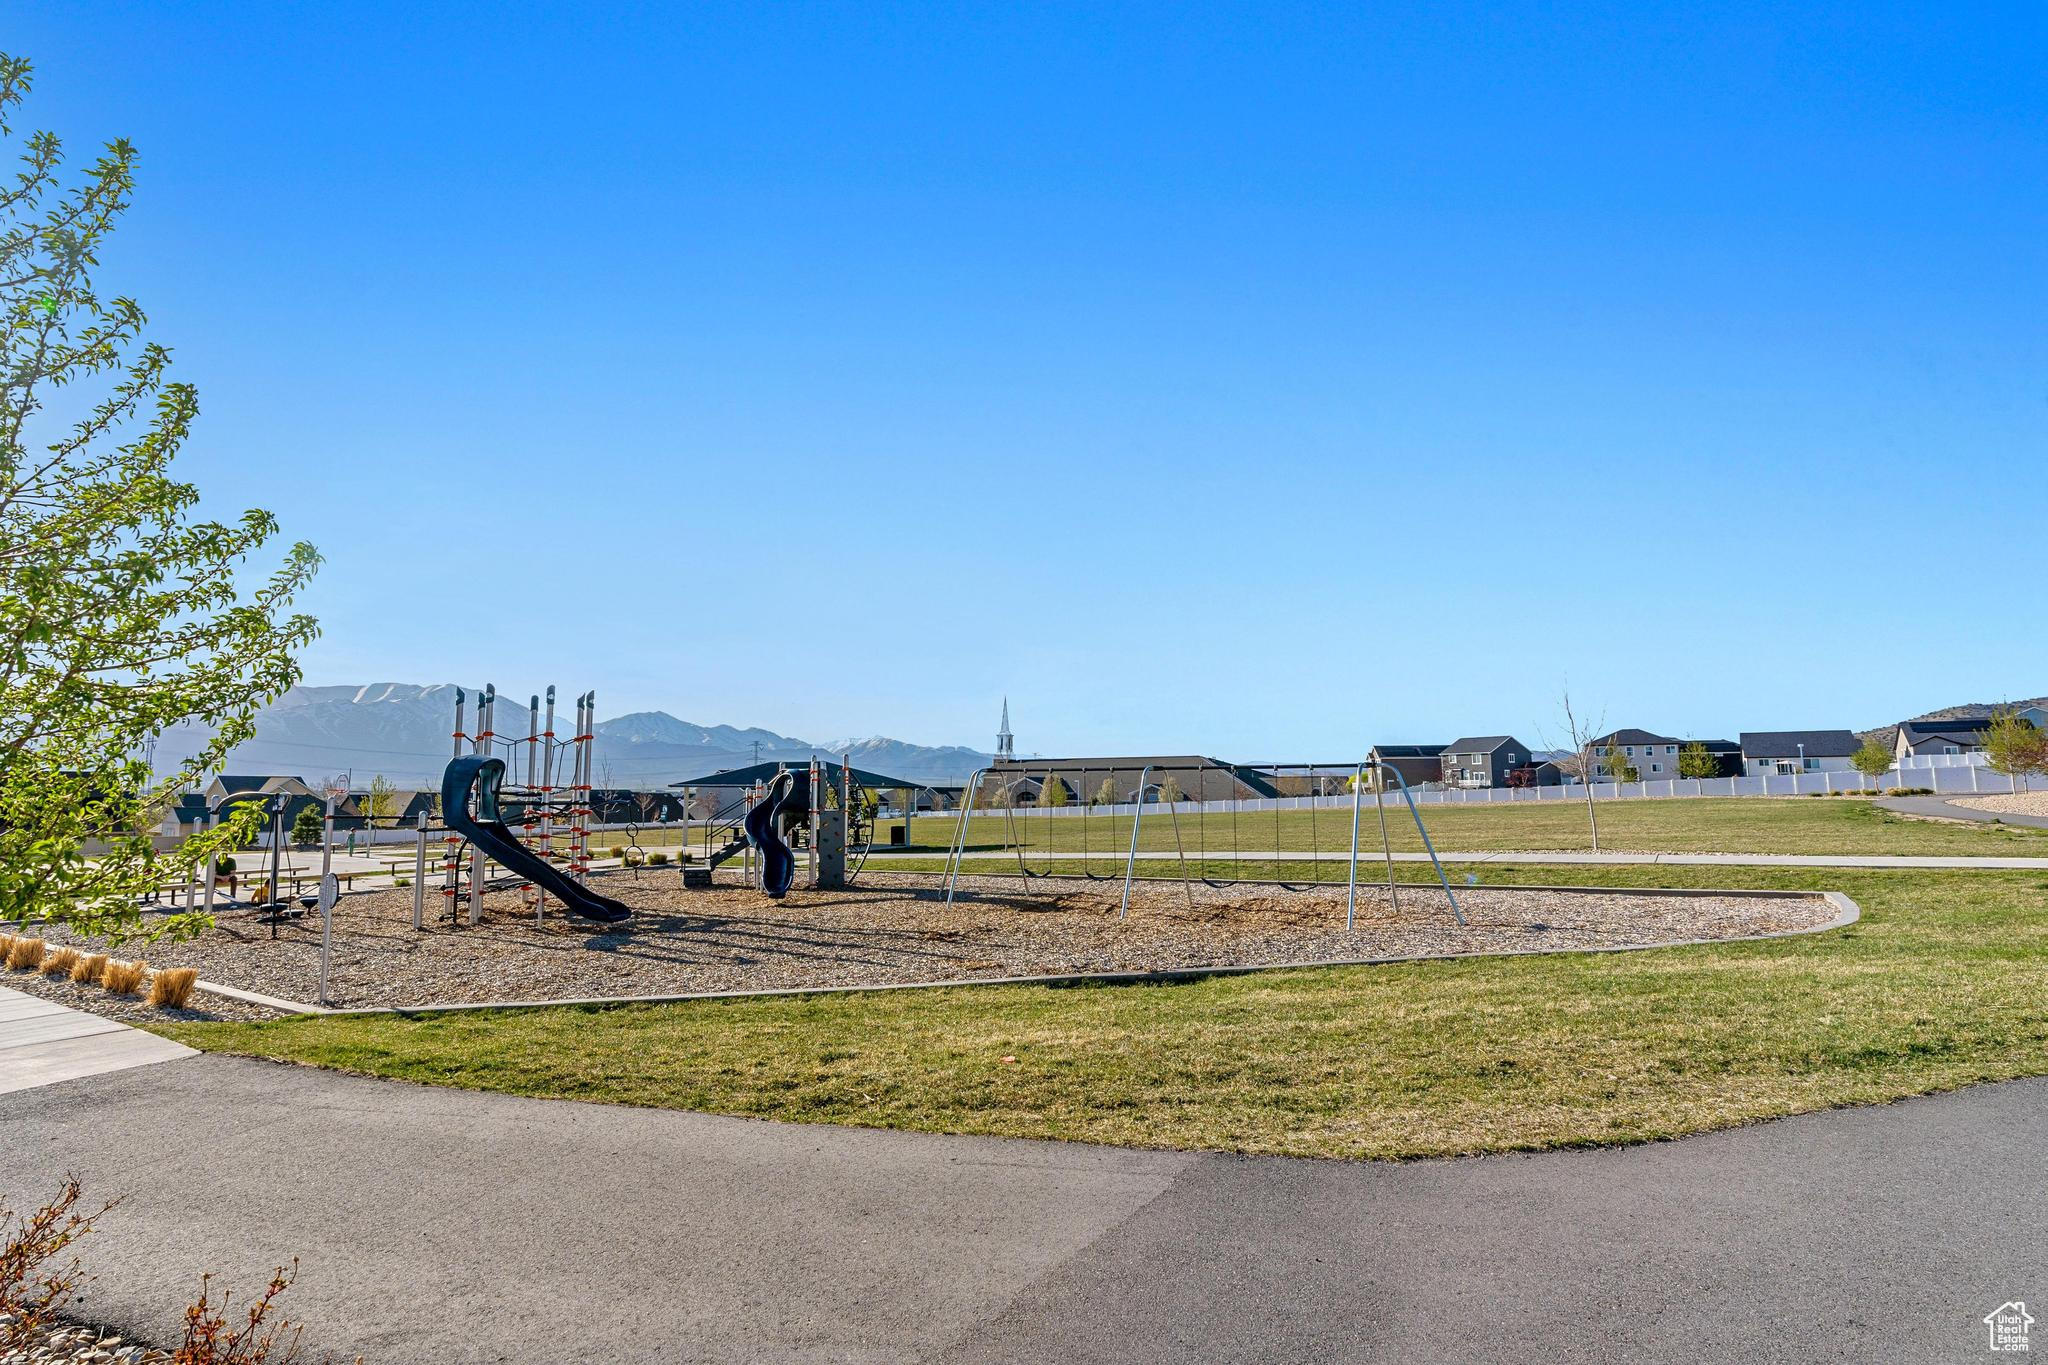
column 1148, row 793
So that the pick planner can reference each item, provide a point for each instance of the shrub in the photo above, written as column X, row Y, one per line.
column 401, row 881
column 171, row 987
column 34, row 1286
column 25, row 954
column 617, row 850
column 657, row 859
column 89, row 968
column 1909, row 791
column 257, row 1341
column 6, row 946
column 123, row 978
column 60, row 961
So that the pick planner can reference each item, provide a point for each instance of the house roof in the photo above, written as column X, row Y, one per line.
column 1631, row 736
column 765, row 772
column 1791, row 743
column 246, row 782
column 1715, row 746
column 1408, row 750
column 1915, row 731
column 1483, row 744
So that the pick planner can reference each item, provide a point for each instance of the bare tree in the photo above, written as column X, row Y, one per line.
column 1582, row 763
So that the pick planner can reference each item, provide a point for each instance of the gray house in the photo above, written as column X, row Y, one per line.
column 1482, row 760
column 1774, row 752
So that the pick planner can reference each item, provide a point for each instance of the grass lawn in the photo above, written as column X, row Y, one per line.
column 1684, row 825
column 1942, row 984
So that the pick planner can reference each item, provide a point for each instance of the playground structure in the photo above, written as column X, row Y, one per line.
column 473, row 790
column 1152, row 793
column 823, row 808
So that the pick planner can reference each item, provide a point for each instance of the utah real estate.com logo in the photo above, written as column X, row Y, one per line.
column 2009, row 1323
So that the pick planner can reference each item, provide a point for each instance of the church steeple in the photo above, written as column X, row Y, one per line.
column 1006, row 743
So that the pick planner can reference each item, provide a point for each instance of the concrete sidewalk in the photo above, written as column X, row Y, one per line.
column 446, row 1226
column 42, row 1043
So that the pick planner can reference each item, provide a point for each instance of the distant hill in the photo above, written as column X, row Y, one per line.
column 403, row 731
column 1888, row 735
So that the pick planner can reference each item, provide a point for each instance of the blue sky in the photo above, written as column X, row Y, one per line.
column 1260, row 381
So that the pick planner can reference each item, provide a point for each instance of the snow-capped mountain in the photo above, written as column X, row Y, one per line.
column 403, row 731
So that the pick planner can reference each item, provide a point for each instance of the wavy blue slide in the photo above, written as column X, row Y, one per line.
column 787, row 794
column 488, row 831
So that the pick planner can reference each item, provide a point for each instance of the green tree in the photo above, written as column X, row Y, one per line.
column 1873, row 760
column 380, row 801
column 2013, row 747
column 1054, row 792
column 1617, row 765
column 1695, row 761
column 1105, row 795
column 122, row 612
column 308, row 824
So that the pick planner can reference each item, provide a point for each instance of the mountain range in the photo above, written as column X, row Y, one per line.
column 403, row 732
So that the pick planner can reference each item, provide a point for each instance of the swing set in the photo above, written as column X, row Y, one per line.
column 1066, row 824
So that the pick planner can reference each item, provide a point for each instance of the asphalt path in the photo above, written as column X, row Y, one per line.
column 441, row 1225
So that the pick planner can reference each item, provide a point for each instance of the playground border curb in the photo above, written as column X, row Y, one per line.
column 1847, row 912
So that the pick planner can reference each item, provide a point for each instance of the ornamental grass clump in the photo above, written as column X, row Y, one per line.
column 59, row 962
column 25, row 954
column 171, row 987
column 123, row 978
column 89, row 968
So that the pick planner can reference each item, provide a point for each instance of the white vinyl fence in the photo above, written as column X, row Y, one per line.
column 1945, row 780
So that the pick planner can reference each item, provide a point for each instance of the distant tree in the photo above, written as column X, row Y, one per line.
column 308, row 824
column 1695, row 761
column 2013, row 747
column 1617, row 764
column 380, row 802
column 1873, row 760
column 1579, row 762
column 1054, row 793
column 1105, row 795
column 1169, row 789
column 995, row 794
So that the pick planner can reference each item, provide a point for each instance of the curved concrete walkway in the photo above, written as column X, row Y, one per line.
column 445, row 1226
column 1945, row 808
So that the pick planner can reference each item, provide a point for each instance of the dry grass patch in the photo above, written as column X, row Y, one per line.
column 25, row 954
column 59, row 961
column 170, row 988
column 123, row 978
column 89, row 968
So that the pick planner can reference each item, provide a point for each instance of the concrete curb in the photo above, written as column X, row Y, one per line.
column 1847, row 912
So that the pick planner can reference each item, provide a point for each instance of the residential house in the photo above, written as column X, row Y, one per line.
column 1775, row 752
column 1482, row 760
column 1655, row 757
column 1940, row 738
column 1416, row 763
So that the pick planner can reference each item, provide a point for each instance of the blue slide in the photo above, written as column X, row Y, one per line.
column 488, row 831
column 788, row 794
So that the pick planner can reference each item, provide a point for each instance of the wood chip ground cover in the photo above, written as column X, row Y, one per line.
column 895, row 928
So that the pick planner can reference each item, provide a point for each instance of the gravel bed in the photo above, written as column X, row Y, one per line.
column 897, row 928
column 129, row 1009
column 2011, row 803
column 75, row 1344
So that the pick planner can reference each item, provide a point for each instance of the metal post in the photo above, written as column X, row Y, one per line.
column 547, row 800
column 419, row 876
column 486, row 718
column 451, row 860
column 1351, row 880
column 956, row 852
column 1433, row 859
column 817, row 804
column 207, row 822
column 1379, row 801
column 1131, row 863
column 326, row 901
